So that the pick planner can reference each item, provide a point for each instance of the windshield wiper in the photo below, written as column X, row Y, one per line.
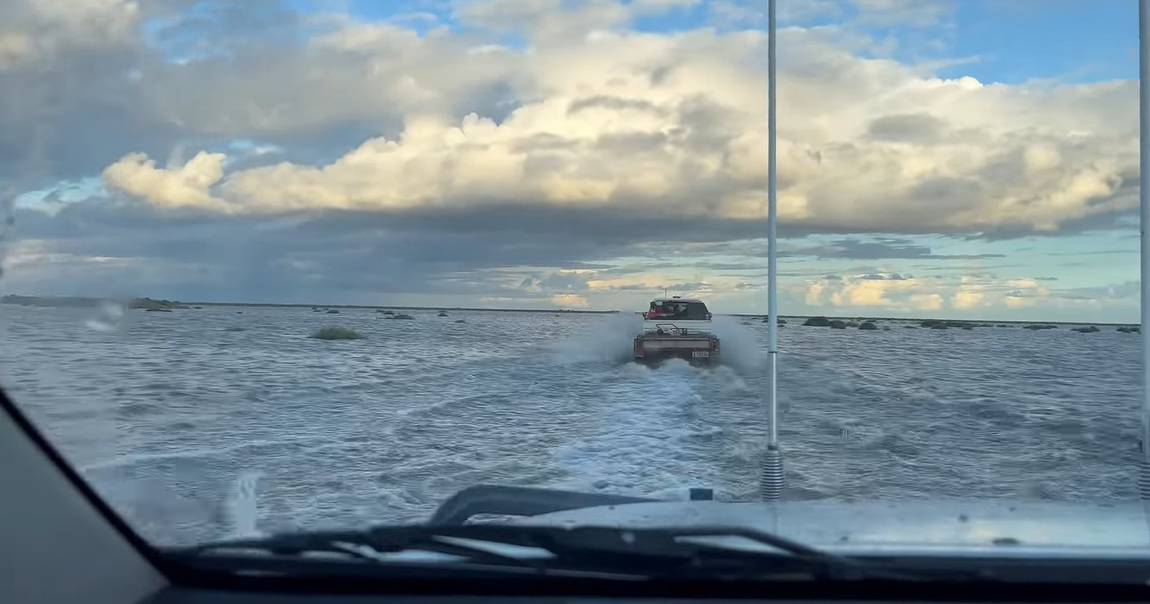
column 668, row 553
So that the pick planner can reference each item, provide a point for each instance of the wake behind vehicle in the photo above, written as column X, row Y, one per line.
column 677, row 328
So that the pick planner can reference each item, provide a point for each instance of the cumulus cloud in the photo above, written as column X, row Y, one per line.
column 174, row 186
column 673, row 122
column 966, row 300
column 905, row 293
column 870, row 292
column 569, row 301
column 929, row 302
column 863, row 291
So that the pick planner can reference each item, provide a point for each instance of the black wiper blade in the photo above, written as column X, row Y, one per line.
column 685, row 552
column 357, row 545
column 690, row 552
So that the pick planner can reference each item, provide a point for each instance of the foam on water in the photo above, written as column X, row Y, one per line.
column 638, row 444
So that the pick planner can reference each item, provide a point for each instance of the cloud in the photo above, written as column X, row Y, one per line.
column 860, row 291
column 37, row 32
column 553, row 19
column 525, row 254
column 909, row 128
column 652, row 7
column 884, row 277
column 186, row 185
column 904, row 293
column 734, row 14
column 966, row 300
column 903, row 12
column 509, row 146
column 814, row 293
column 569, row 301
column 614, row 118
column 556, row 281
column 931, row 302
column 1126, row 290
column 654, row 285
column 1018, row 299
column 96, row 248
column 876, row 249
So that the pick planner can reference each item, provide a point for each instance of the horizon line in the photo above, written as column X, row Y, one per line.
column 557, row 310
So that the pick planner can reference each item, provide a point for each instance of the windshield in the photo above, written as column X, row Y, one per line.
column 290, row 266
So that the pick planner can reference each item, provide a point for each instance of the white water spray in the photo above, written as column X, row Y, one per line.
column 739, row 346
column 242, row 507
column 611, row 339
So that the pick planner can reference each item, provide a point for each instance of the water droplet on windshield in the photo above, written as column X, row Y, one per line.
column 106, row 318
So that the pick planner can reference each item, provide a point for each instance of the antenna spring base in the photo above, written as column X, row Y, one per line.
column 1144, row 480
column 771, row 486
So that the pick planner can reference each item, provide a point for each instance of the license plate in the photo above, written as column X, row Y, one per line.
column 700, row 354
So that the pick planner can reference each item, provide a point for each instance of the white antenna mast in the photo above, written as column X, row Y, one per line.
column 771, row 486
column 1144, row 205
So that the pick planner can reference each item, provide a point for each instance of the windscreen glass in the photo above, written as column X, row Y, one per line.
column 290, row 265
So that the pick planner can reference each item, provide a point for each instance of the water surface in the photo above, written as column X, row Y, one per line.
column 169, row 413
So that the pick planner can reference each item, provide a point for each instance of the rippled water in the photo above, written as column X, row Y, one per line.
column 175, row 416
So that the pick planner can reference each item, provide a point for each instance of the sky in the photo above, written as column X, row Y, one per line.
column 960, row 159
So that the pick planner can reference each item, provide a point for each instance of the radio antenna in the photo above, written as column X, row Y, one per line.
column 771, row 486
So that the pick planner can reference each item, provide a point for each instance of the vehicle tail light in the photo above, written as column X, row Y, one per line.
column 638, row 347
column 714, row 346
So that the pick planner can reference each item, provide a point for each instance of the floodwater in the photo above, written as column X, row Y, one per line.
column 197, row 423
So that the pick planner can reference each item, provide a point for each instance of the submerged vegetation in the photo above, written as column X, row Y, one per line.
column 82, row 302
column 943, row 324
column 336, row 333
column 156, row 305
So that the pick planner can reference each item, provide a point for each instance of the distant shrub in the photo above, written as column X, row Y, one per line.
column 336, row 333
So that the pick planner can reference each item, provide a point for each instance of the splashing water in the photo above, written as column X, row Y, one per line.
column 742, row 349
column 611, row 339
column 107, row 317
column 242, row 507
